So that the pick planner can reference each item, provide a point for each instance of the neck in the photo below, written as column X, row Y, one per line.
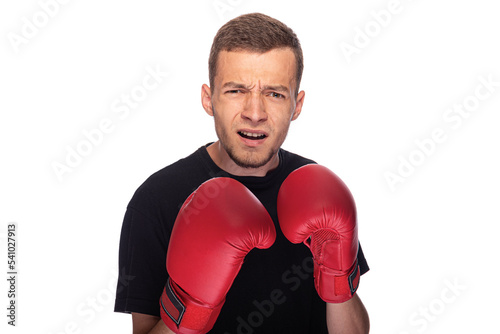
column 224, row 162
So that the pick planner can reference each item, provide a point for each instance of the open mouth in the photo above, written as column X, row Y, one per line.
column 251, row 135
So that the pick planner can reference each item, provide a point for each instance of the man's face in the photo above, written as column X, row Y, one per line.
column 253, row 102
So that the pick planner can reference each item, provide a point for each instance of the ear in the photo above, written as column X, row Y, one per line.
column 206, row 99
column 298, row 105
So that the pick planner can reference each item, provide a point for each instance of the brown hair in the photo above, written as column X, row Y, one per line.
column 254, row 32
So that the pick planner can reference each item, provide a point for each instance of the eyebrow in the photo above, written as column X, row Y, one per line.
column 278, row 88
column 232, row 84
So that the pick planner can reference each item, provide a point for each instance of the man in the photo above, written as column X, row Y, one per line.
column 255, row 68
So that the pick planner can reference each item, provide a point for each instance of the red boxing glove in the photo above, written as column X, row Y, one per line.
column 218, row 224
column 315, row 207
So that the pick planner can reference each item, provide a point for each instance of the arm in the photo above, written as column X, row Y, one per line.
column 315, row 207
column 207, row 247
column 349, row 317
column 148, row 324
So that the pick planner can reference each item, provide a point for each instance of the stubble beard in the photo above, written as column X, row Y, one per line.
column 248, row 160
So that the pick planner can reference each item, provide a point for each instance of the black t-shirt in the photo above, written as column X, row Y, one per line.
column 274, row 290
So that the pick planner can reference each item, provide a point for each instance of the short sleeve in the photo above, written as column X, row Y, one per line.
column 363, row 265
column 142, row 254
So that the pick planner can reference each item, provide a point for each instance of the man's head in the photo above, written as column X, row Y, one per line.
column 257, row 33
column 255, row 71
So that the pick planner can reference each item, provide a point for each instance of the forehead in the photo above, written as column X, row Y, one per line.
column 277, row 66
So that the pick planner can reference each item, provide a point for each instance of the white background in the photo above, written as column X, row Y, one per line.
column 362, row 114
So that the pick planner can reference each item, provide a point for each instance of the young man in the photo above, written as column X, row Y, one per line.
column 255, row 68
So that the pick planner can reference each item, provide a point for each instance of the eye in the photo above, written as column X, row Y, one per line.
column 233, row 91
column 277, row 95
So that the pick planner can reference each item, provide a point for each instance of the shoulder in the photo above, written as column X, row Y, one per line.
column 184, row 172
column 174, row 172
column 292, row 161
column 172, row 184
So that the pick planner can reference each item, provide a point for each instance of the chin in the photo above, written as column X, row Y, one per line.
column 251, row 160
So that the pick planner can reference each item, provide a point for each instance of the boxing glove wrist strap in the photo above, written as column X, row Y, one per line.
column 183, row 314
column 335, row 288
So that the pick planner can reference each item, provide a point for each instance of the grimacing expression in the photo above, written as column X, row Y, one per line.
column 253, row 102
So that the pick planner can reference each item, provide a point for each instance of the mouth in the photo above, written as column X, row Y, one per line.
column 252, row 135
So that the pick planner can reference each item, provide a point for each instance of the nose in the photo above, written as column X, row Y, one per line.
column 254, row 109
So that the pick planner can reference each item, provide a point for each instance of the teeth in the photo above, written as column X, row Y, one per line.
column 255, row 135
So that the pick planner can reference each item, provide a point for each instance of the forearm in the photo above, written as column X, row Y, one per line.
column 148, row 324
column 349, row 317
column 160, row 328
